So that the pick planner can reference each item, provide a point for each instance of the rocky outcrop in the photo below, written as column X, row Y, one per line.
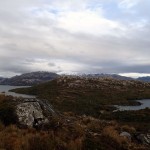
column 126, row 134
column 30, row 114
column 33, row 112
column 99, row 83
column 144, row 138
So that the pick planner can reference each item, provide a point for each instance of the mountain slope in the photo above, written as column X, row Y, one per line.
column 145, row 79
column 29, row 79
column 114, row 76
column 87, row 95
column 1, row 78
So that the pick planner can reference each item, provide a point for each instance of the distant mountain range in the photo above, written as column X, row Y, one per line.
column 145, row 79
column 34, row 78
column 114, row 76
column 28, row 79
column 1, row 78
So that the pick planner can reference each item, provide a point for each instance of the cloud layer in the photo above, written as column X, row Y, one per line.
column 78, row 36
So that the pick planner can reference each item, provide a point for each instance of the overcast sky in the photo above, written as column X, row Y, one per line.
column 75, row 36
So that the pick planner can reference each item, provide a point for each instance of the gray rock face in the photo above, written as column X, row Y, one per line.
column 144, row 138
column 126, row 134
column 30, row 114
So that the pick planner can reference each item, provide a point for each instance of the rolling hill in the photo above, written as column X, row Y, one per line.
column 29, row 79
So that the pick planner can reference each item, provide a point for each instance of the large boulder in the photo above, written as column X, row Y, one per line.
column 144, row 138
column 126, row 134
column 30, row 113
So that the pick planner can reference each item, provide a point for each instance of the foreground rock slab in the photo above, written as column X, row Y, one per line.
column 30, row 112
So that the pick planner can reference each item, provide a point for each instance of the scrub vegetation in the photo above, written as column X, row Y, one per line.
column 86, row 119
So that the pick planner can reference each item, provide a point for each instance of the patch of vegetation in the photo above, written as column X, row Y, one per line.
column 95, row 97
column 139, row 119
column 67, row 136
column 7, row 111
column 68, row 132
column 88, row 96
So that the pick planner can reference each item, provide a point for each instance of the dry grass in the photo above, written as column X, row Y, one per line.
column 79, row 133
column 111, row 133
column 128, row 128
column 66, row 137
column 13, row 138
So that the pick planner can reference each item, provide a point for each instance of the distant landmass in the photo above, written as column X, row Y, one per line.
column 114, row 76
column 119, row 77
column 29, row 79
column 34, row 78
column 145, row 79
column 1, row 78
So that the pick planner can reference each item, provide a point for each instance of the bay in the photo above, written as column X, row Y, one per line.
column 4, row 89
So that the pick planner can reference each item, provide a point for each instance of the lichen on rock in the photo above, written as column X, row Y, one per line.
column 30, row 114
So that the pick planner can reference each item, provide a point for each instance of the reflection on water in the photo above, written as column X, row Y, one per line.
column 145, row 103
column 6, row 88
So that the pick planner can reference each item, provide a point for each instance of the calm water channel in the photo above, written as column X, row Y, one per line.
column 145, row 103
column 5, row 89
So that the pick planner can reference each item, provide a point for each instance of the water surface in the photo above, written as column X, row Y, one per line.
column 6, row 88
column 145, row 103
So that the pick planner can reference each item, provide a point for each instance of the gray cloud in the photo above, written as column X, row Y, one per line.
column 77, row 36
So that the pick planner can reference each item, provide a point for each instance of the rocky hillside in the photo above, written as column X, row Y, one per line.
column 32, row 124
column 34, row 78
column 114, row 76
column 82, row 116
column 29, row 79
column 84, row 95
